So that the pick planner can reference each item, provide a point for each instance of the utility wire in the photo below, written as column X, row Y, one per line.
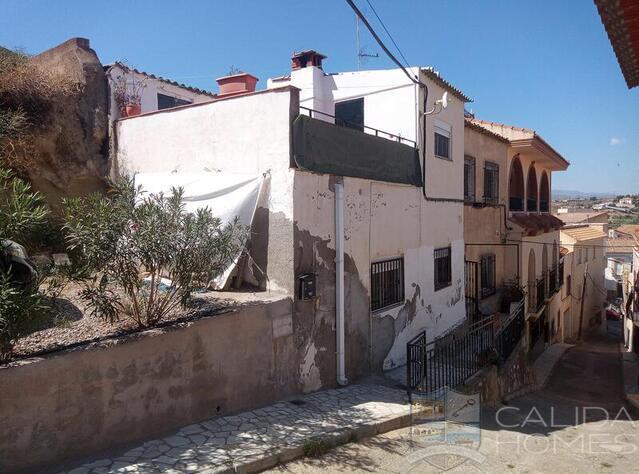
column 388, row 33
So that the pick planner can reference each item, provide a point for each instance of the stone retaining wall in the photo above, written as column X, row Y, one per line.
column 97, row 397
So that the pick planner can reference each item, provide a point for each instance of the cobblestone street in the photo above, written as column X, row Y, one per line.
column 566, row 427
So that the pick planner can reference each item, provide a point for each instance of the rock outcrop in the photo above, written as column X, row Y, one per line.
column 71, row 150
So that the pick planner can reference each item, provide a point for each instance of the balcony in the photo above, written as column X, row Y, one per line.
column 516, row 204
column 543, row 206
column 552, row 281
column 541, row 294
column 323, row 147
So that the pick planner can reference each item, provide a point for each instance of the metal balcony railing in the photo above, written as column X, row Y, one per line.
column 516, row 204
column 543, row 206
column 540, row 296
column 552, row 281
column 367, row 129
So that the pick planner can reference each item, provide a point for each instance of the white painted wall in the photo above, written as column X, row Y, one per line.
column 243, row 134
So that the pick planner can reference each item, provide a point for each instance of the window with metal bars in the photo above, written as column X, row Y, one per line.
column 491, row 183
column 469, row 179
column 487, row 275
column 387, row 283
column 443, row 272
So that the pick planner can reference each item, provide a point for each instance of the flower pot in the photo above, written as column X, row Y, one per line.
column 133, row 109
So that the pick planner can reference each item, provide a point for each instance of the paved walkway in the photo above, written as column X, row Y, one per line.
column 572, row 425
column 262, row 438
column 546, row 362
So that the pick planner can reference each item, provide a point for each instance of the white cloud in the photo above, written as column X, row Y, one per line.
column 616, row 141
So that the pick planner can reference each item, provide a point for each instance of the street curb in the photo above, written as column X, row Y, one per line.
column 288, row 453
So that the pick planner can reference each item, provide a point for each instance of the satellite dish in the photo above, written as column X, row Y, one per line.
column 444, row 100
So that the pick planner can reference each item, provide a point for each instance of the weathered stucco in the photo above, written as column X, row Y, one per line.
column 97, row 397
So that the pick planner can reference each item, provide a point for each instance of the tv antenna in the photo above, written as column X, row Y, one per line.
column 360, row 52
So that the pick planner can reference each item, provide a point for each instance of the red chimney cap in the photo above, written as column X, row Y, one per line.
column 242, row 83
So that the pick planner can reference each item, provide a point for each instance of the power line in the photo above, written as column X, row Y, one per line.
column 388, row 33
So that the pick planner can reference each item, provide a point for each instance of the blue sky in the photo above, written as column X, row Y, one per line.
column 542, row 64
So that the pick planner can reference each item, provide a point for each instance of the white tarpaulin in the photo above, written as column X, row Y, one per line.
column 228, row 195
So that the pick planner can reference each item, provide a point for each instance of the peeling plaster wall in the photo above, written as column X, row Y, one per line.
column 381, row 220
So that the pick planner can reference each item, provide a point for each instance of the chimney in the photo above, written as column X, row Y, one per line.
column 306, row 58
column 242, row 83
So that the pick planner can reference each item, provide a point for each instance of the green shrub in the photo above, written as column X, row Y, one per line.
column 21, row 311
column 143, row 254
column 22, row 215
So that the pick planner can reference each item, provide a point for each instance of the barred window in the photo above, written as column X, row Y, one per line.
column 443, row 273
column 387, row 283
column 491, row 183
column 469, row 179
column 487, row 275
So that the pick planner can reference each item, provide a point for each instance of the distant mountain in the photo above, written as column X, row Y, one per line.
column 558, row 194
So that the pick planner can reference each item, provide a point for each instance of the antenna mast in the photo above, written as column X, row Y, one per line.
column 361, row 54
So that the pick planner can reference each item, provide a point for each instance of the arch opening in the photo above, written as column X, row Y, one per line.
column 516, row 186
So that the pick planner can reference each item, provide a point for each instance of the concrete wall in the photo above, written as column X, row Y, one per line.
column 97, row 397
column 244, row 134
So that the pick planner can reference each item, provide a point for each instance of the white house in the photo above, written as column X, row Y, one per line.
column 343, row 225
column 424, row 227
column 156, row 93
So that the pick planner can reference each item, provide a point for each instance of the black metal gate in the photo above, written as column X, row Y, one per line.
column 472, row 289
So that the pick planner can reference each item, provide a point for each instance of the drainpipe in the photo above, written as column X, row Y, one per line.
column 339, row 281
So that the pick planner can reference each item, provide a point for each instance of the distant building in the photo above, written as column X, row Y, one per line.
column 626, row 203
column 584, row 269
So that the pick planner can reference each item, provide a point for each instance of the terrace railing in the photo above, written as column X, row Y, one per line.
column 540, row 296
column 516, row 204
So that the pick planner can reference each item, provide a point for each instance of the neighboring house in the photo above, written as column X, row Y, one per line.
column 531, row 162
column 328, row 189
column 492, row 278
column 631, row 300
column 622, row 23
column 584, row 267
column 598, row 219
column 626, row 231
column 619, row 253
column 156, row 92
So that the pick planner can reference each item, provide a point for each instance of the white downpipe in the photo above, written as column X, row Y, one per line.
column 339, row 281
